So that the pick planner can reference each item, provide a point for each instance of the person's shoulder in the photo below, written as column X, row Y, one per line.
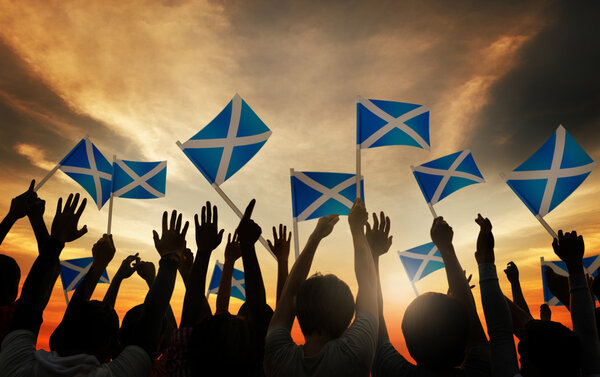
column 19, row 336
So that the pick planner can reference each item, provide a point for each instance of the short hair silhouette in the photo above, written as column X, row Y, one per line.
column 89, row 327
column 436, row 328
column 10, row 275
column 224, row 345
column 549, row 348
column 324, row 306
column 130, row 326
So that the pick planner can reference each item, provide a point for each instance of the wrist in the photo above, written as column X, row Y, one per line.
column 357, row 228
column 575, row 267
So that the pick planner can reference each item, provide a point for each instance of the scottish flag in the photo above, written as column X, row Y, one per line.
column 72, row 272
column 440, row 178
column 238, row 285
column 317, row 194
column 228, row 142
column 591, row 265
column 420, row 261
column 139, row 180
column 88, row 167
column 551, row 174
column 381, row 123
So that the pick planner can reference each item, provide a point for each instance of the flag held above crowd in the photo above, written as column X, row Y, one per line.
column 591, row 265
column 443, row 176
column 139, row 179
column 421, row 261
column 72, row 271
column 238, row 284
column 550, row 175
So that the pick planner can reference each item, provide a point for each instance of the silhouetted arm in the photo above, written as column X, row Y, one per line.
column 519, row 317
column 128, row 267
column 103, row 252
column 19, row 207
column 232, row 253
column 512, row 273
column 558, row 285
column 281, row 249
column 36, row 219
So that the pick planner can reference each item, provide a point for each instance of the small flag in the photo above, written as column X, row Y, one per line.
column 228, row 142
column 441, row 177
column 72, row 272
column 382, row 123
column 551, row 174
column 139, row 180
column 591, row 265
column 238, row 285
column 317, row 194
column 420, row 261
column 88, row 167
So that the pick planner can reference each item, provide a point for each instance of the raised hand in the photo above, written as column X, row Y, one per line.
column 186, row 263
column 441, row 233
column 485, row 241
column 512, row 272
column 37, row 208
column 233, row 250
column 281, row 243
column 358, row 216
column 104, row 250
column 146, row 271
column 379, row 236
column 248, row 231
column 64, row 225
column 172, row 240
column 21, row 205
column 208, row 235
column 128, row 266
column 570, row 248
column 325, row 225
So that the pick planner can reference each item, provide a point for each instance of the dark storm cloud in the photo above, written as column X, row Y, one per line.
column 555, row 81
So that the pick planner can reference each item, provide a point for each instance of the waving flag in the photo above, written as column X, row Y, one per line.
column 440, row 178
column 316, row 194
column 420, row 261
column 139, row 180
column 551, row 174
column 228, row 142
column 238, row 285
column 88, row 167
column 382, row 123
column 72, row 272
column 591, row 265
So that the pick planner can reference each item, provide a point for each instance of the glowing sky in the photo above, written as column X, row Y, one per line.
column 137, row 76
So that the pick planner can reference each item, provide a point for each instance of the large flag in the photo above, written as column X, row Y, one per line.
column 316, row 194
column 381, row 123
column 420, row 261
column 238, row 285
column 88, row 167
column 139, row 180
column 228, row 142
column 72, row 272
column 551, row 174
column 591, row 265
column 443, row 176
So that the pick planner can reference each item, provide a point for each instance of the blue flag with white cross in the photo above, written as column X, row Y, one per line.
column 420, row 261
column 591, row 265
column 238, row 284
column 139, row 179
column 72, row 271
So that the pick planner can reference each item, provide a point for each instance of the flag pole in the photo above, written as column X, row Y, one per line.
column 542, row 264
column 51, row 172
column 234, row 208
column 294, row 220
column 358, row 167
column 66, row 297
column 432, row 210
column 546, row 226
column 110, row 202
column 414, row 287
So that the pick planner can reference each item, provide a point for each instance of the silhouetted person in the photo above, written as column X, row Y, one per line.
column 10, row 275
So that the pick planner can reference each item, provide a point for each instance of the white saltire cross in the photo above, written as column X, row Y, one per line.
column 393, row 123
column 447, row 174
column 140, row 181
column 425, row 258
column 82, row 272
column 92, row 171
column 327, row 193
column 234, row 283
column 553, row 174
column 229, row 142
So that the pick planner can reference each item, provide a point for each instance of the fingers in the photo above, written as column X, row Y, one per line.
column 155, row 237
column 274, row 235
column 59, row 207
column 81, row 208
column 220, row 236
column 290, row 238
column 375, row 221
column 215, row 219
column 381, row 220
column 81, row 232
column 178, row 223
column 68, row 202
column 31, row 186
column 229, row 239
column 249, row 209
column 270, row 245
column 388, row 224
column 196, row 221
column 185, row 229
column 164, row 222
column 173, row 219
column 208, row 212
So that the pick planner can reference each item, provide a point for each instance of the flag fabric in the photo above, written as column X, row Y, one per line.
column 420, row 261
column 443, row 176
column 591, row 265
column 72, row 272
column 381, row 123
column 88, row 167
column 551, row 174
column 228, row 142
column 238, row 285
column 139, row 180
column 317, row 194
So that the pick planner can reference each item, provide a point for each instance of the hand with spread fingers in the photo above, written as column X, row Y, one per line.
column 233, row 250
column 208, row 235
column 378, row 236
column 172, row 242
column 281, row 243
column 65, row 223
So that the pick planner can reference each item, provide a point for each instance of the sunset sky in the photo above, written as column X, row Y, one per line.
column 137, row 76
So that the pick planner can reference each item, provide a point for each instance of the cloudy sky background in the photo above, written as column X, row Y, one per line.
column 499, row 77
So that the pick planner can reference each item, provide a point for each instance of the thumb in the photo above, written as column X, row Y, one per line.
column 155, row 237
column 81, row 232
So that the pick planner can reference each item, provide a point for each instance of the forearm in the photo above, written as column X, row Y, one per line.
column 282, row 275
column 225, row 288
column 584, row 321
column 255, row 289
column 383, row 335
column 195, row 305
column 364, row 269
column 113, row 290
column 519, row 317
column 499, row 322
column 39, row 228
column 5, row 226
column 518, row 297
column 87, row 286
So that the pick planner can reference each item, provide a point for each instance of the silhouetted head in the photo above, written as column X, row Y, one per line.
column 88, row 327
column 10, row 274
column 225, row 345
column 130, row 327
column 549, row 349
column 436, row 328
column 324, row 306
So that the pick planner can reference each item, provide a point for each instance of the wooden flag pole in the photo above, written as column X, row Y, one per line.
column 412, row 168
column 358, row 167
column 110, row 201
column 294, row 220
column 51, row 172
column 414, row 287
column 234, row 208
column 66, row 296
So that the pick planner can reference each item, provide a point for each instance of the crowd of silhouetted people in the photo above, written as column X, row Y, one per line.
column 344, row 335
